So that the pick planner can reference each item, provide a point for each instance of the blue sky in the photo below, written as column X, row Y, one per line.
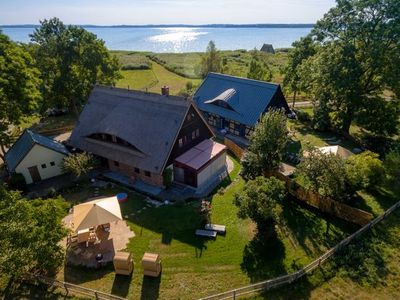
column 112, row 12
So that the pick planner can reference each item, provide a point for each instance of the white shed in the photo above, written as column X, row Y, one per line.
column 36, row 157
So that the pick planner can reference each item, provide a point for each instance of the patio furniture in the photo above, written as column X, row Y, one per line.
column 83, row 235
column 206, row 233
column 99, row 259
column 123, row 263
column 215, row 227
column 151, row 264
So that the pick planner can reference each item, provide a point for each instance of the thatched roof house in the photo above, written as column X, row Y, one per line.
column 268, row 48
column 138, row 134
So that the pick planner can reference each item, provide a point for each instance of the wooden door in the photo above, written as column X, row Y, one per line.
column 35, row 175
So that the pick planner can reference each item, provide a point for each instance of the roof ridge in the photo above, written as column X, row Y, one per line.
column 243, row 79
column 147, row 96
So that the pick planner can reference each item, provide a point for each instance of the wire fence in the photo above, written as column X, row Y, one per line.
column 288, row 279
column 72, row 288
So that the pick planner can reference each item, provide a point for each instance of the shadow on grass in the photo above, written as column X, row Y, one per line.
column 263, row 258
column 121, row 285
column 314, row 231
column 150, row 288
column 78, row 275
column 33, row 291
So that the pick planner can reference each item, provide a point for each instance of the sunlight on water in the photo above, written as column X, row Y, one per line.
column 178, row 37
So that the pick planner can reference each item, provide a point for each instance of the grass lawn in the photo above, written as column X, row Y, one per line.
column 194, row 267
column 154, row 79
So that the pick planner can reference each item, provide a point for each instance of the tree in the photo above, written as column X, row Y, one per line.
column 392, row 165
column 302, row 50
column 210, row 61
column 259, row 71
column 19, row 89
column 30, row 234
column 267, row 145
column 79, row 164
column 323, row 174
column 71, row 61
column 360, row 47
column 260, row 201
column 364, row 171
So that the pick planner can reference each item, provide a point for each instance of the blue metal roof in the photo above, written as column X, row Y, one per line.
column 246, row 99
column 25, row 143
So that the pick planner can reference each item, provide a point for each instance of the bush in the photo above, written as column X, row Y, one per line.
column 167, row 177
column 79, row 164
column 17, row 182
column 364, row 171
column 138, row 66
column 303, row 116
column 392, row 165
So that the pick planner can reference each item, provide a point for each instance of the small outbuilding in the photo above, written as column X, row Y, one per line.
column 36, row 157
column 123, row 263
column 268, row 48
column 151, row 264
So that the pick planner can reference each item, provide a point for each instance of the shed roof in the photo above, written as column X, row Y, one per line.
column 25, row 143
column 247, row 98
column 200, row 154
column 149, row 122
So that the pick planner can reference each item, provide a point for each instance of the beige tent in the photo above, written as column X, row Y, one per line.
column 337, row 150
column 96, row 212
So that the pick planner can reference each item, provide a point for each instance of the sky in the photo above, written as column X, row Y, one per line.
column 140, row 12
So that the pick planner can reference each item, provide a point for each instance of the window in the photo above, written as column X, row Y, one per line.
column 189, row 117
column 193, row 135
column 180, row 141
column 52, row 163
column 114, row 139
column 137, row 170
column 44, row 166
column 147, row 173
column 116, row 163
column 197, row 132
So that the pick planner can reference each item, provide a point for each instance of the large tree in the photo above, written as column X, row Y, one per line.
column 259, row 70
column 30, row 232
column 267, row 145
column 302, row 50
column 357, row 62
column 210, row 61
column 19, row 89
column 261, row 201
column 71, row 61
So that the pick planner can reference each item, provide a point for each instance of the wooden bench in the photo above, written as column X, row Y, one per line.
column 206, row 233
column 215, row 227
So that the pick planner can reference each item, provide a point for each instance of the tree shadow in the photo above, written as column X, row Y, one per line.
column 150, row 288
column 34, row 291
column 121, row 285
column 312, row 230
column 80, row 274
column 263, row 258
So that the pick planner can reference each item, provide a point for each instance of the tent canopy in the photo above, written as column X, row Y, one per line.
column 96, row 212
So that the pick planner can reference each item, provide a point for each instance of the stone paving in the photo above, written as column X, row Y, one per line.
column 107, row 244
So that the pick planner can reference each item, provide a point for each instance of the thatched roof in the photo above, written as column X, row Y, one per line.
column 149, row 122
column 268, row 48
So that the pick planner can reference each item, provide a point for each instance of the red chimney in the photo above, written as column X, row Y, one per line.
column 165, row 90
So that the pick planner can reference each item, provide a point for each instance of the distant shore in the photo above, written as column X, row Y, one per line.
column 177, row 26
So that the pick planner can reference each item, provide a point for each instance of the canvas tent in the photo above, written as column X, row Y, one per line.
column 96, row 212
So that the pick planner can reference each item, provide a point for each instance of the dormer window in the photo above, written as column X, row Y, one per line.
column 226, row 99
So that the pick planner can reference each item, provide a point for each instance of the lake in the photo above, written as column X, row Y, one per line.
column 183, row 39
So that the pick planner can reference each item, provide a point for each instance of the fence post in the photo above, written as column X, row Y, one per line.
column 234, row 294
column 97, row 296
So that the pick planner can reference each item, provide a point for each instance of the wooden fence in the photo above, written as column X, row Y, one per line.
column 324, row 204
column 235, row 149
column 72, row 288
column 288, row 279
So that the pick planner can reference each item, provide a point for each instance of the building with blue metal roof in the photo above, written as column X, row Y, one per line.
column 36, row 157
column 236, row 104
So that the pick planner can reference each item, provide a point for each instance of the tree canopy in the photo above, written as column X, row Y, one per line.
column 261, row 200
column 71, row 61
column 358, row 47
column 259, row 70
column 19, row 89
column 210, row 61
column 267, row 145
column 30, row 231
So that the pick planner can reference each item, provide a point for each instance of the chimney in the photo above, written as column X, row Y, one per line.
column 165, row 90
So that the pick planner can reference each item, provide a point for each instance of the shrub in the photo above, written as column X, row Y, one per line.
column 17, row 182
column 167, row 177
column 392, row 165
column 79, row 164
column 303, row 116
column 138, row 66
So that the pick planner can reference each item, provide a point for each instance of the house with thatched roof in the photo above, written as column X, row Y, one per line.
column 267, row 48
column 235, row 104
column 141, row 135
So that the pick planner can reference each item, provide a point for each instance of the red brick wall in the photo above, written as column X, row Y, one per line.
column 154, row 179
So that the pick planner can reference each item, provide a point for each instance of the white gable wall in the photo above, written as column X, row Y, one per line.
column 213, row 170
column 37, row 156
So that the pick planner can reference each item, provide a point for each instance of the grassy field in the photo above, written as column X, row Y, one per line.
column 194, row 267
